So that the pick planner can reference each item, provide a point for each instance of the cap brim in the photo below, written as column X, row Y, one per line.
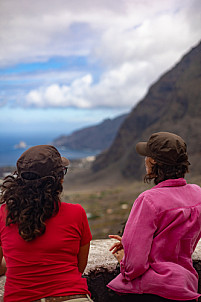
column 65, row 162
column 141, row 148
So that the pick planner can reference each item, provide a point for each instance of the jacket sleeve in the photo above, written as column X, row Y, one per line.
column 137, row 238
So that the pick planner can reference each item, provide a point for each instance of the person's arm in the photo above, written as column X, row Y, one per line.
column 138, row 237
column 2, row 263
column 83, row 257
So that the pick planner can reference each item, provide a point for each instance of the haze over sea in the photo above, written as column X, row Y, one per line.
column 9, row 153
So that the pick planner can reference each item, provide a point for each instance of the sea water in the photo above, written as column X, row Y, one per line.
column 12, row 146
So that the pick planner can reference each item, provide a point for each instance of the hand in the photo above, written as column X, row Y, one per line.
column 116, row 246
column 119, row 255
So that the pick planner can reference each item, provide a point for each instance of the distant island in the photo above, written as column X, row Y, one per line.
column 21, row 145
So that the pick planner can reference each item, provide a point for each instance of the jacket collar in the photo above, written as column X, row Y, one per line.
column 171, row 183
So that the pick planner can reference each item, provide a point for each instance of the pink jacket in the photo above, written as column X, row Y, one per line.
column 162, row 231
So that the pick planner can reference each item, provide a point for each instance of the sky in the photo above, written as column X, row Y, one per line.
column 69, row 64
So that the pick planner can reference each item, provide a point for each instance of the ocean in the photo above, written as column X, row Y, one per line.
column 13, row 145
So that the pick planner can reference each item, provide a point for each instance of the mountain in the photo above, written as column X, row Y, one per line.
column 172, row 104
column 98, row 137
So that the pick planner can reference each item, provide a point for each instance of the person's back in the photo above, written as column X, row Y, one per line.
column 178, row 206
column 48, row 265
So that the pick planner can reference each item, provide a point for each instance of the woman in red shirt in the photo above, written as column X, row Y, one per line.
column 45, row 242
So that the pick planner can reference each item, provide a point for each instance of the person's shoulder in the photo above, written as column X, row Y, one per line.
column 194, row 186
column 71, row 206
column 144, row 197
column 148, row 198
column 145, row 194
column 74, row 211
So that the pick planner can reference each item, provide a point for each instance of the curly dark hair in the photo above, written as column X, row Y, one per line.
column 161, row 172
column 30, row 201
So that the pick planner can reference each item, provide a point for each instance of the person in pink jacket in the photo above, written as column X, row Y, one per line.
column 162, row 230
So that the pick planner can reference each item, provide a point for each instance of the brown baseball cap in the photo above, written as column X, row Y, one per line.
column 165, row 148
column 41, row 160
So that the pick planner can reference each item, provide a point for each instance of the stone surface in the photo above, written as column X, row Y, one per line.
column 103, row 267
column 197, row 253
column 100, row 256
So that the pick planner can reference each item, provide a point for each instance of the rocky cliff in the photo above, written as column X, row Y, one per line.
column 97, row 137
column 172, row 104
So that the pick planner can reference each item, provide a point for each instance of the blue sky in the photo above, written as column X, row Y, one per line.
column 69, row 64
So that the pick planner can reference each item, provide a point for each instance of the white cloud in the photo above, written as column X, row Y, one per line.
column 33, row 31
column 134, row 42
column 61, row 96
column 121, row 87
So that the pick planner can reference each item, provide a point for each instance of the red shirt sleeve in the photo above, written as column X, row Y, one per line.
column 85, row 230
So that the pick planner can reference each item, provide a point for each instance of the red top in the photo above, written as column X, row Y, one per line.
column 48, row 265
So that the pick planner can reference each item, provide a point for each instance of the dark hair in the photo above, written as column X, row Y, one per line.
column 161, row 172
column 30, row 201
